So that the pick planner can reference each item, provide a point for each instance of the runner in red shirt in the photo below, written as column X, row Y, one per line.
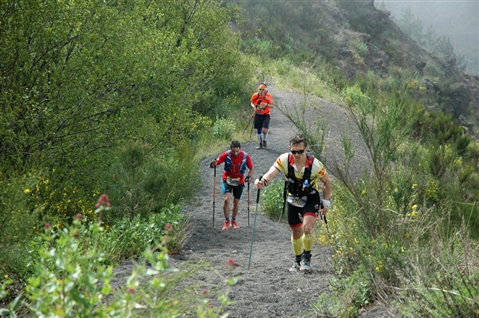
column 236, row 162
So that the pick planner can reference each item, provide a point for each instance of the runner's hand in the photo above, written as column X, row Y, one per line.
column 213, row 163
column 258, row 184
column 325, row 204
column 248, row 178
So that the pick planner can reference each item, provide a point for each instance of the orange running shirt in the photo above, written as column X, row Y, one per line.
column 257, row 100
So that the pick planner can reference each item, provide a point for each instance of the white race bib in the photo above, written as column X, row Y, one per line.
column 233, row 181
column 299, row 202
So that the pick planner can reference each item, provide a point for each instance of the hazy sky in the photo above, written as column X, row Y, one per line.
column 456, row 19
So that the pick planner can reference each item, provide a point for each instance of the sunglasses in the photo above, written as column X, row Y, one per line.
column 297, row 151
column 261, row 89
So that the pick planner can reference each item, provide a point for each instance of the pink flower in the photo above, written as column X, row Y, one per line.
column 47, row 225
column 103, row 201
column 230, row 263
column 79, row 216
column 168, row 228
column 131, row 290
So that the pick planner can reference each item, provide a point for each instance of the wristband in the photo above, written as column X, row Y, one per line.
column 265, row 182
column 326, row 203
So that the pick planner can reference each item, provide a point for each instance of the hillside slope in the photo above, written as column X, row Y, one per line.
column 354, row 38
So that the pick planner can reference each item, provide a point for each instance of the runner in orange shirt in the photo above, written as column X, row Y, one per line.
column 262, row 102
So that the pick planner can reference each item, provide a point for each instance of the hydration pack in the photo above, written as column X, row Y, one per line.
column 300, row 188
column 228, row 162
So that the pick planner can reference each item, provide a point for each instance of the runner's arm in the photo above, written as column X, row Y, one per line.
column 326, row 186
column 267, row 178
column 326, row 193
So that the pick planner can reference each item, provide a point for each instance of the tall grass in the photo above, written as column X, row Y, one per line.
column 397, row 233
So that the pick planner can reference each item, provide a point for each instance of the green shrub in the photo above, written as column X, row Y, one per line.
column 19, row 219
column 272, row 200
column 130, row 237
column 70, row 279
column 349, row 293
column 145, row 183
column 223, row 128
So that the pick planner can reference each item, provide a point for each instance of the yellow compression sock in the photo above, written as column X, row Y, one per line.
column 307, row 242
column 297, row 245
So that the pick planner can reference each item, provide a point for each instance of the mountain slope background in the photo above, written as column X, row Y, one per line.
column 355, row 39
column 455, row 20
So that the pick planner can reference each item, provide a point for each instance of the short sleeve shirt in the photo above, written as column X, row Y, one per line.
column 317, row 172
column 234, row 170
column 256, row 100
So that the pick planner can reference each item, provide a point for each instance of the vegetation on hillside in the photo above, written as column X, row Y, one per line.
column 405, row 232
column 107, row 97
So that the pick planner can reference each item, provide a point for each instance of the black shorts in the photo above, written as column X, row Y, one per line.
column 261, row 121
column 296, row 214
column 237, row 191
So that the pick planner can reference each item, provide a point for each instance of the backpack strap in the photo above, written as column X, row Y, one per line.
column 243, row 163
column 259, row 99
column 295, row 187
column 228, row 162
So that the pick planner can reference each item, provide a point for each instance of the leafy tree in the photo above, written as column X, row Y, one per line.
column 411, row 25
column 79, row 79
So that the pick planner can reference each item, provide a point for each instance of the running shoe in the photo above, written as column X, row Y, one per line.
column 226, row 226
column 306, row 262
column 296, row 267
column 234, row 224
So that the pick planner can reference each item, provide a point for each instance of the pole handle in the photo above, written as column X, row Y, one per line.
column 248, row 202
column 214, row 194
column 257, row 196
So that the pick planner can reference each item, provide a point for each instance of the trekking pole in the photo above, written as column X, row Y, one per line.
column 324, row 216
column 247, row 125
column 254, row 226
column 248, row 203
column 284, row 198
column 326, row 222
column 214, row 194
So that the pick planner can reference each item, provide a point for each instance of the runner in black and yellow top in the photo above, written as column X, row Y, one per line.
column 262, row 102
column 306, row 177
column 236, row 162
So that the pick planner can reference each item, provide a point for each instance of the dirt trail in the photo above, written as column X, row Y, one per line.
column 267, row 289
